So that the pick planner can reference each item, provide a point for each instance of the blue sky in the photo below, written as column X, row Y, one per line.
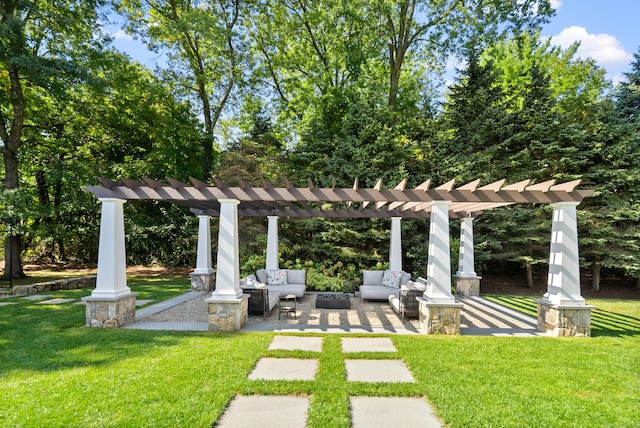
column 607, row 29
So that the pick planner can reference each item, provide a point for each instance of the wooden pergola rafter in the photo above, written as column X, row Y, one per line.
column 466, row 201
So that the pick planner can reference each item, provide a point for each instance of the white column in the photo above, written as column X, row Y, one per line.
column 273, row 257
column 111, row 281
column 203, row 261
column 563, row 283
column 466, row 262
column 228, row 261
column 395, row 245
column 439, row 263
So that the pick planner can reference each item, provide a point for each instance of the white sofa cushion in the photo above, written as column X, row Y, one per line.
column 261, row 274
column 296, row 276
column 410, row 285
column 372, row 277
column 377, row 292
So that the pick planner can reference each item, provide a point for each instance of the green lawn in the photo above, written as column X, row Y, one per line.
column 57, row 373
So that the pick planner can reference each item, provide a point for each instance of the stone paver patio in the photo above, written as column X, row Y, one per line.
column 384, row 412
column 366, row 412
column 391, row 371
column 296, row 343
column 266, row 412
column 374, row 344
column 284, row 369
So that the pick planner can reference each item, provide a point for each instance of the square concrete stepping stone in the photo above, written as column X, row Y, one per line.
column 7, row 303
column 284, row 369
column 265, row 412
column 392, row 371
column 37, row 296
column 294, row 343
column 54, row 301
column 367, row 344
column 142, row 302
column 383, row 412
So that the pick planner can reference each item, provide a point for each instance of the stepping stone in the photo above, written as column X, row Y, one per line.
column 142, row 302
column 391, row 371
column 37, row 296
column 378, row 344
column 294, row 343
column 7, row 303
column 265, row 412
column 284, row 369
column 54, row 301
column 383, row 412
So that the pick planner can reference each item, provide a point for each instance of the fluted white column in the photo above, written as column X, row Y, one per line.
column 203, row 260
column 466, row 262
column 439, row 262
column 563, row 283
column 395, row 245
column 273, row 257
column 111, row 281
column 228, row 261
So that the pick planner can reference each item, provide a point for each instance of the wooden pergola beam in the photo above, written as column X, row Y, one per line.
column 290, row 201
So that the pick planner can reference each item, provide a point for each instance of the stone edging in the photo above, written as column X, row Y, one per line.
column 59, row 284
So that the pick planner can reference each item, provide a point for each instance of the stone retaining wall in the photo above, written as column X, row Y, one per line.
column 59, row 284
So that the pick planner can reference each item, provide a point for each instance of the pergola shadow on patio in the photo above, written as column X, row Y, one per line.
column 562, row 310
column 478, row 317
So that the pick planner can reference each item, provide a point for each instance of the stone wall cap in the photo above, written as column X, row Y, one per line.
column 232, row 300
column 108, row 299
column 565, row 305
column 429, row 302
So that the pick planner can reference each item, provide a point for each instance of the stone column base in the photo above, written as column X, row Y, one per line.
column 467, row 286
column 228, row 315
column 202, row 281
column 115, row 312
column 440, row 318
column 564, row 320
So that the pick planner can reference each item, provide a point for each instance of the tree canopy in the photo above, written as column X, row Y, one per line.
column 326, row 91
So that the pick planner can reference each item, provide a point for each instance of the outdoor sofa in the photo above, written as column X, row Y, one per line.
column 406, row 303
column 267, row 285
column 379, row 284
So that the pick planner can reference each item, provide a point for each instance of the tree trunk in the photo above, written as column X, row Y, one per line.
column 12, row 262
column 529, row 268
column 637, row 282
column 595, row 284
column 12, row 244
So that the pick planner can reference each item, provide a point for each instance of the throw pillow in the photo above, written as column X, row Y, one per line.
column 391, row 278
column 276, row 277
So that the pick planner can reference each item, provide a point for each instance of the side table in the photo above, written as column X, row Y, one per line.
column 287, row 305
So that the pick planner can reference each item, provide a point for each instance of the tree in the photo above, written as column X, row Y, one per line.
column 432, row 30
column 476, row 119
column 123, row 122
column 205, row 50
column 42, row 47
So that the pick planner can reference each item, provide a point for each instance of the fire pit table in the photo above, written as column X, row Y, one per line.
column 333, row 301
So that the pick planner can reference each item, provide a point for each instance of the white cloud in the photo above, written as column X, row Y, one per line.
column 556, row 4
column 603, row 48
column 121, row 35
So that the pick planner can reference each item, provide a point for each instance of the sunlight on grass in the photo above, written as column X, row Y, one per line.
column 58, row 373
column 611, row 316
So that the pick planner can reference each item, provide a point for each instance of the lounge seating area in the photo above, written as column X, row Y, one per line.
column 268, row 285
column 395, row 287
column 379, row 284
column 406, row 302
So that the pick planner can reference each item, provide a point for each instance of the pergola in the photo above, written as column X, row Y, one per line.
column 439, row 204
